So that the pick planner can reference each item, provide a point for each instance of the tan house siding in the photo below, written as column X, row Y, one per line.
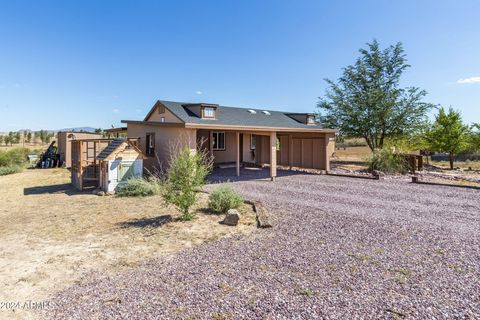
column 166, row 138
column 160, row 112
column 227, row 155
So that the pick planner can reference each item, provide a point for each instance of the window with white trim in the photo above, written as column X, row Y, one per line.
column 310, row 119
column 208, row 112
column 218, row 141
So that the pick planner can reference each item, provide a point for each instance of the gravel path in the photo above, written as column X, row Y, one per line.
column 341, row 248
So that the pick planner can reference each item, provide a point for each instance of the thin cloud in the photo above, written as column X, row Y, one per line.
column 469, row 80
column 199, row 92
column 116, row 110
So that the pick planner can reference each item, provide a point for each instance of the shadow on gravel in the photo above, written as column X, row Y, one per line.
column 154, row 222
column 248, row 174
column 66, row 188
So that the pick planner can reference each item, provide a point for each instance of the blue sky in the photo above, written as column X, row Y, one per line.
column 93, row 63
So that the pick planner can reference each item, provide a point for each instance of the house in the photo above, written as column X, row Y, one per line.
column 234, row 135
column 64, row 143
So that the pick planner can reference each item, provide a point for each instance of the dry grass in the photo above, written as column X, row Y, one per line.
column 475, row 165
column 52, row 235
column 29, row 146
column 353, row 153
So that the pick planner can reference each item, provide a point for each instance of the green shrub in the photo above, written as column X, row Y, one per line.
column 224, row 198
column 9, row 170
column 387, row 162
column 186, row 173
column 139, row 187
column 13, row 157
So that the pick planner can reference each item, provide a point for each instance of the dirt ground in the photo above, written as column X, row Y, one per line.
column 51, row 235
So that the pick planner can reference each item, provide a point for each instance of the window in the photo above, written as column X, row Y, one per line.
column 208, row 112
column 125, row 171
column 150, row 144
column 218, row 140
column 162, row 119
column 253, row 142
column 310, row 119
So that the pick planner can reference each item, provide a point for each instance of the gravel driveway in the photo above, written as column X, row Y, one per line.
column 341, row 248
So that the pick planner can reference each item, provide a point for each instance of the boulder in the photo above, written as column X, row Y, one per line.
column 232, row 217
column 100, row 193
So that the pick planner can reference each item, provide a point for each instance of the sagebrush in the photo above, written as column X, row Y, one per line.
column 139, row 187
column 224, row 198
column 186, row 173
column 9, row 170
column 388, row 162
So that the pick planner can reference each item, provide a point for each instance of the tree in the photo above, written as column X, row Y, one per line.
column 367, row 100
column 99, row 130
column 448, row 134
column 17, row 137
column 7, row 139
column 44, row 136
column 29, row 136
column 474, row 143
column 1, row 139
column 187, row 172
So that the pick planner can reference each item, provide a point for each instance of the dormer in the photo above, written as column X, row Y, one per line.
column 206, row 111
column 305, row 118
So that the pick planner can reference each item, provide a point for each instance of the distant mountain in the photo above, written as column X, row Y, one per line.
column 78, row 129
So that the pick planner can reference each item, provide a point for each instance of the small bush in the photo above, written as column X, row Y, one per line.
column 186, row 174
column 224, row 198
column 9, row 170
column 387, row 162
column 13, row 157
column 139, row 187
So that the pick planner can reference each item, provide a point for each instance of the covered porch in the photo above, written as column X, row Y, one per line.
column 237, row 148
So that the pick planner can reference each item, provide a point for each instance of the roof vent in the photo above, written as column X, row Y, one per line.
column 266, row 112
column 252, row 111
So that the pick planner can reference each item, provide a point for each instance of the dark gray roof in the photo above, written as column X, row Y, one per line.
column 238, row 117
column 112, row 146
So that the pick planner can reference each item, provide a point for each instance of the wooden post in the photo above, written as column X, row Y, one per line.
column 80, row 165
column 237, row 152
column 273, row 155
column 327, row 158
column 290, row 151
column 210, row 140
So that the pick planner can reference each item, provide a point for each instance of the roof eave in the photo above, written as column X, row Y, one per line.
column 256, row 128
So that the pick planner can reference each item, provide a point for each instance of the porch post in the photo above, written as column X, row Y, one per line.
column 237, row 152
column 327, row 157
column 273, row 155
column 210, row 142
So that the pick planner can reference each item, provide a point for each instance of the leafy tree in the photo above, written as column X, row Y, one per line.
column 44, row 136
column 367, row 100
column 1, row 139
column 475, row 138
column 186, row 174
column 99, row 130
column 17, row 137
column 29, row 137
column 7, row 139
column 448, row 134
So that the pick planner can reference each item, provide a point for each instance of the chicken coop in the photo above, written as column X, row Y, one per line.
column 105, row 163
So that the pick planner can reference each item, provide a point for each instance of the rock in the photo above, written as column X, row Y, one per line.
column 232, row 217
column 100, row 193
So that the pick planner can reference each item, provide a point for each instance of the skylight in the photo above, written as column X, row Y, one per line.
column 252, row 111
column 266, row 112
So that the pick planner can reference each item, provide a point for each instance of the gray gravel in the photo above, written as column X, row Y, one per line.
column 341, row 248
